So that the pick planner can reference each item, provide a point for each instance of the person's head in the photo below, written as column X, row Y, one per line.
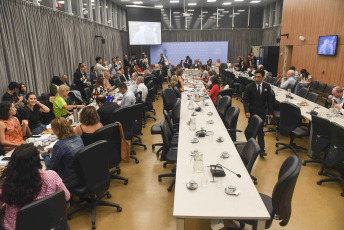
column 107, row 75
column 239, row 58
column 337, row 92
column 174, row 80
column 134, row 76
column 157, row 67
column 31, row 99
column 101, row 100
column 22, row 88
column 14, row 86
column 169, row 63
column 125, row 56
column 218, row 61
column 55, row 80
column 64, row 78
column 161, row 55
column 89, row 116
column 99, row 60
column 211, row 73
column 259, row 76
column 214, row 81
column 62, row 128
column 182, row 61
column 82, row 67
column 261, row 67
column 292, row 68
column 146, row 73
column 122, row 87
column 100, row 81
column 21, row 180
column 252, row 54
column 179, row 72
column 150, row 69
column 187, row 57
column 7, row 110
column 92, row 69
column 144, row 55
column 203, row 67
column 228, row 61
column 140, row 80
column 119, row 73
column 290, row 73
column 63, row 91
column 243, row 63
column 304, row 73
column 105, row 63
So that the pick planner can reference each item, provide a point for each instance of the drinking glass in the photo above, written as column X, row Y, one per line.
column 198, row 162
column 192, row 125
column 191, row 105
column 219, row 182
column 204, row 180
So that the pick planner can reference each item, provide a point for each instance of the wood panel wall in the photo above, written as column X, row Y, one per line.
column 311, row 19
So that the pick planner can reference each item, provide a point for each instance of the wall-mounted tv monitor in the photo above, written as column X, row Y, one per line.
column 144, row 33
column 327, row 45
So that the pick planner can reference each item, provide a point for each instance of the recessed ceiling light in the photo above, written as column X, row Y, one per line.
column 191, row 9
column 192, row 4
column 255, row 2
column 174, row 1
column 159, row 6
column 125, row 0
column 220, row 9
column 61, row 2
column 138, row 2
column 226, row 3
column 211, row 0
column 238, row 0
column 241, row 10
column 175, row 12
column 236, row 13
column 225, row 12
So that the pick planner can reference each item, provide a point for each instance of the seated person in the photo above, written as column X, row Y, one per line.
column 126, row 73
column 196, row 65
column 22, row 91
column 109, row 83
column 218, row 63
column 251, row 70
column 11, row 94
column 60, row 105
column 22, row 185
column 229, row 64
column 134, row 86
column 120, row 77
column 290, row 82
column 60, row 157
column 141, row 87
column 90, row 122
column 174, row 81
column 105, row 109
column 11, row 132
column 296, row 76
column 214, row 90
column 128, row 95
column 242, row 67
column 54, row 86
column 337, row 98
column 93, row 75
column 64, row 80
column 33, row 114
column 207, row 82
column 305, row 80
column 204, row 73
column 99, row 87
column 180, row 84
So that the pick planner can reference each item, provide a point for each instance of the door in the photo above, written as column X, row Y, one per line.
column 288, row 53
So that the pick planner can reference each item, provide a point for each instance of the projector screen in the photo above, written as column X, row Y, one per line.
column 144, row 33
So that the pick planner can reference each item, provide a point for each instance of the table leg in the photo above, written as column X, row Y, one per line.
column 260, row 224
column 180, row 224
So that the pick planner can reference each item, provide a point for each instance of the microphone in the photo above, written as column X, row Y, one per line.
column 198, row 109
column 220, row 165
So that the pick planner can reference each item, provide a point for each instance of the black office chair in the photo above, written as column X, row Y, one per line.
column 169, row 154
column 148, row 105
column 218, row 98
column 325, row 95
column 303, row 92
column 279, row 205
column 112, row 135
column 251, row 131
column 147, row 79
column 321, row 87
column 249, row 155
column 289, row 126
column 88, row 94
column 321, row 139
column 335, row 156
column 276, row 114
column 50, row 212
column 92, row 170
column 169, row 98
column 228, row 92
column 231, row 120
column 174, row 135
column 136, row 112
column 314, row 85
column 313, row 97
column 224, row 103
column 273, row 80
column 138, row 97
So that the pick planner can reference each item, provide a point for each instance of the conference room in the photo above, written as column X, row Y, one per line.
column 171, row 114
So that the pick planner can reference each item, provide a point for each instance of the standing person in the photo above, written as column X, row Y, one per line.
column 162, row 59
column 258, row 99
column 188, row 62
column 23, row 181
column 105, row 109
column 125, row 60
column 128, row 95
column 79, row 79
column 11, row 94
column 33, row 113
column 60, row 157
column 112, row 67
column 98, row 67
column 253, row 59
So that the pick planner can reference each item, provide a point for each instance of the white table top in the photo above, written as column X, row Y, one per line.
column 211, row 202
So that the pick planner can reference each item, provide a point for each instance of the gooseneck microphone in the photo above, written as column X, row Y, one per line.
column 220, row 165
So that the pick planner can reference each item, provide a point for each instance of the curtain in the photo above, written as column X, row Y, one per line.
column 37, row 43
column 270, row 36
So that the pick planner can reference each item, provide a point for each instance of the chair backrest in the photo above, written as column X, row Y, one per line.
column 150, row 98
column 283, row 191
column 150, row 84
column 228, row 92
column 253, row 126
column 231, row 120
column 169, row 98
column 329, row 89
column 168, row 120
column 267, row 79
column 290, row 118
column 136, row 116
column 111, row 134
column 321, row 87
column 321, row 137
column 176, row 112
column 303, row 92
column 123, row 115
column 176, row 90
column 47, row 213
column 91, row 165
column 335, row 154
column 88, row 94
column 224, row 103
column 218, row 98
column 313, row 97
column 273, row 81
column 250, row 153
column 165, row 134
column 147, row 79
column 138, row 97
column 314, row 85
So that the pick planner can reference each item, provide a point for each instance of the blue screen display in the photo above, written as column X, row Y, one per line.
column 327, row 45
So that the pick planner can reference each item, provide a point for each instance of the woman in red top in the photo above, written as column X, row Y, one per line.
column 215, row 89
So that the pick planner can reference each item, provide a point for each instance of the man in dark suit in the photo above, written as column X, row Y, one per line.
column 64, row 80
column 105, row 109
column 258, row 99
column 125, row 60
column 79, row 78
column 188, row 62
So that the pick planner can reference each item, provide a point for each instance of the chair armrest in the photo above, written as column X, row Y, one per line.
column 234, row 130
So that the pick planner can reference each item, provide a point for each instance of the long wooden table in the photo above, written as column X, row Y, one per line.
column 211, row 202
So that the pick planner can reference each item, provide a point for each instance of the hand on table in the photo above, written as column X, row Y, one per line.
column 336, row 106
column 248, row 115
column 330, row 97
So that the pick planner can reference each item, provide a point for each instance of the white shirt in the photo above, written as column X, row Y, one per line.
column 289, row 83
column 113, row 70
column 100, row 69
column 296, row 75
column 143, row 88
column 128, row 98
column 304, row 80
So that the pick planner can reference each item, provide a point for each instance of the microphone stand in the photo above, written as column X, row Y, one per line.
column 220, row 165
